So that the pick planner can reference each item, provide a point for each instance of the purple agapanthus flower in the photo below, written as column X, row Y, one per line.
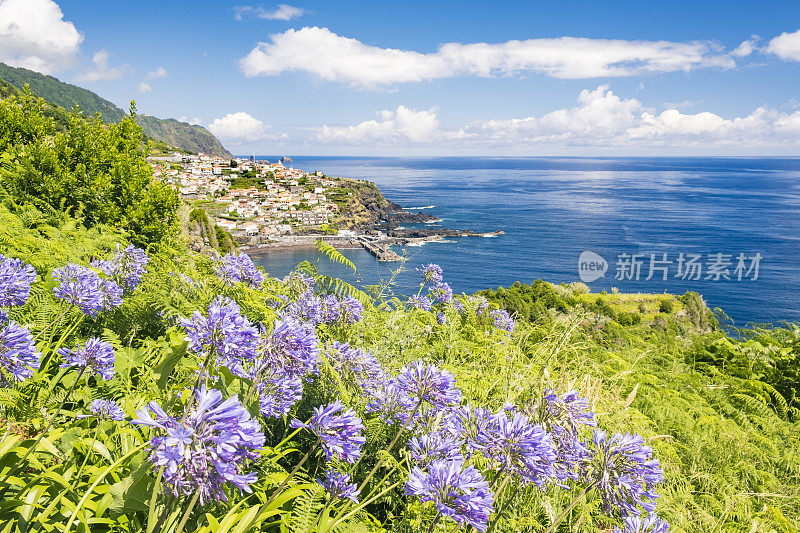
column 106, row 410
column 426, row 383
column 441, row 318
column 390, row 400
column 351, row 310
column 431, row 272
column 470, row 425
column 81, row 287
column 339, row 487
column 519, row 447
column 127, row 267
column 277, row 394
column 442, row 292
column 569, row 410
column 16, row 278
column 234, row 268
column 3, row 316
column 18, row 355
column 207, row 448
column 434, row 447
column 331, row 309
column 624, row 472
column 649, row 524
column 292, row 347
column 95, row 356
column 354, row 364
column 339, row 429
column 420, row 302
column 224, row 334
column 502, row 320
column 458, row 492
column 112, row 295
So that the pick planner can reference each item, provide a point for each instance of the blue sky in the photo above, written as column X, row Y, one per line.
column 436, row 78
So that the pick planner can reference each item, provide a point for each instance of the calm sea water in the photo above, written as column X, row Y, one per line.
column 552, row 209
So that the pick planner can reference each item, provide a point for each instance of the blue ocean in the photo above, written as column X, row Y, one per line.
column 728, row 228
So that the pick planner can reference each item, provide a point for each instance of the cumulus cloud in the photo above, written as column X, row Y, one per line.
column 336, row 58
column 746, row 48
column 238, row 127
column 282, row 12
column 158, row 73
column 600, row 118
column 101, row 70
column 144, row 88
column 34, row 35
column 399, row 126
column 786, row 46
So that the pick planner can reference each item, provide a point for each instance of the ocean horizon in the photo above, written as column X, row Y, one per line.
column 695, row 220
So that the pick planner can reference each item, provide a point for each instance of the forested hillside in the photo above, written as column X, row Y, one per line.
column 181, row 135
column 148, row 387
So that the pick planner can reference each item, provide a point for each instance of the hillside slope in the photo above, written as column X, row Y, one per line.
column 187, row 137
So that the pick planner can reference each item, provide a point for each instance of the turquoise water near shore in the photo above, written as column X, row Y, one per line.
column 552, row 209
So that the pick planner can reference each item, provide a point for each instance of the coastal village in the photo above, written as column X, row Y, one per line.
column 267, row 204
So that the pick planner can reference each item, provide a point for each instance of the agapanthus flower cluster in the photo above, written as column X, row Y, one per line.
column 518, row 446
column 624, row 472
column 3, row 316
column 502, row 320
column 94, row 356
column 339, row 487
column 470, row 425
column 420, row 302
column 291, row 348
column 207, row 448
column 431, row 273
column 352, row 310
column 224, row 334
column 339, row 430
column 441, row 292
column 127, row 267
column 649, row 524
column 354, row 363
column 391, row 401
column 278, row 392
column 105, row 410
column 434, row 447
column 234, row 268
column 426, row 383
column 83, row 288
column 18, row 355
column 564, row 416
column 16, row 278
column 456, row 491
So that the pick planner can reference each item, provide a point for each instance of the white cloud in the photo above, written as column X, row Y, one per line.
column 196, row 121
column 403, row 125
column 786, row 46
column 101, row 70
column 336, row 58
column 34, row 35
column 600, row 119
column 282, row 12
column 144, row 88
column 746, row 48
column 160, row 72
column 238, row 127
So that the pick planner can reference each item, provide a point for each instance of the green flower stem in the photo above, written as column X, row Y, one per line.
column 187, row 512
column 391, row 446
column 569, row 508
column 361, row 506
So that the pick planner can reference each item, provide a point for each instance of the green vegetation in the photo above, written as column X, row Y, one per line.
column 187, row 137
column 94, row 171
column 183, row 136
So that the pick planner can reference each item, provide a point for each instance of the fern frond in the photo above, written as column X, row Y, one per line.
column 334, row 255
